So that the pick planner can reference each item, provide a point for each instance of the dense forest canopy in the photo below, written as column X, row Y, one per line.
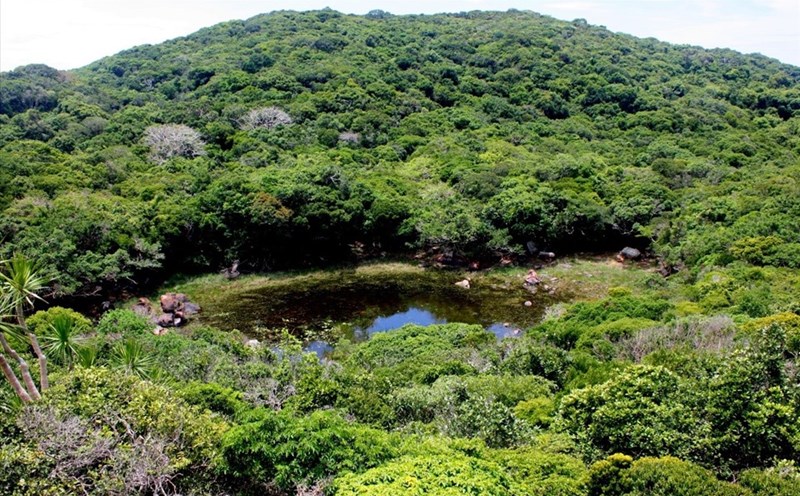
column 291, row 138
column 308, row 139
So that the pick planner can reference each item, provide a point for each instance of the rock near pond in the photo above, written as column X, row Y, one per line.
column 164, row 320
column 532, row 278
column 629, row 253
column 231, row 272
column 190, row 309
column 547, row 256
column 143, row 307
column 175, row 311
column 171, row 302
column 178, row 307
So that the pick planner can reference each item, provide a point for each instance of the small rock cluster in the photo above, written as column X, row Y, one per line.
column 176, row 308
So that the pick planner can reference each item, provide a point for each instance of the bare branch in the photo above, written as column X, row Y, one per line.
column 173, row 140
column 265, row 118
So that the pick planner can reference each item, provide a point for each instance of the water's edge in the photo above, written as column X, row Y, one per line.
column 357, row 303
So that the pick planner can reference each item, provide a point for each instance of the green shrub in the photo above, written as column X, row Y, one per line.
column 583, row 317
column 40, row 322
column 431, row 475
column 123, row 323
column 542, row 474
column 529, row 357
column 536, row 411
column 587, row 370
column 412, row 342
column 606, row 477
column 753, row 302
column 270, row 446
column 148, row 430
column 442, row 399
column 508, row 389
column 450, row 367
column 643, row 411
column 24, row 471
column 779, row 480
column 619, row 475
column 426, row 403
column 213, row 397
column 670, row 476
column 788, row 321
column 488, row 420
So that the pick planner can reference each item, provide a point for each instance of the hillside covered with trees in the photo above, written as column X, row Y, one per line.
column 289, row 139
column 294, row 140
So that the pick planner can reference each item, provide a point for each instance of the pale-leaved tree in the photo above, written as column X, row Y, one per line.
column 265, row 118
column 168, row 141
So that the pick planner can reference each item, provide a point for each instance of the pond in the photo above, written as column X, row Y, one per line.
column 323, row 307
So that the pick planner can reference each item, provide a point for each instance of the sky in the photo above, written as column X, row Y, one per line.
column 67, row 34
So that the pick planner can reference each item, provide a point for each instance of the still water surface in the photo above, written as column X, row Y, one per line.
column 355, row 305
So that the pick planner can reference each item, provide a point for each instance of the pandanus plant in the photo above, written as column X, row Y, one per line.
column 26, row 390
column 20, row 280
column 129, row 355
column 61, row 342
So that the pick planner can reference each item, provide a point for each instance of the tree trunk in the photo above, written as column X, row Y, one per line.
column 23, row 368
column 12, row 379
column 26, row 376
column 44, row 383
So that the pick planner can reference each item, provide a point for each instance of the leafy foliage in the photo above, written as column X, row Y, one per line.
column 472, row 134
column 435, row 475
column 103, row 433
column 294, row 139
column 276, row 446
column 657, row 476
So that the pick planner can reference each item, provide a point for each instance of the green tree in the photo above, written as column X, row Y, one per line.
column 21, row 279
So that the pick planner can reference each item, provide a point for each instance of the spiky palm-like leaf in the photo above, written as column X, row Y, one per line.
column 16, row 336
column 7, row 314
column 10, row 404
column 61, row 341
column 22, row 279
column 86, row 356
column 132, row 357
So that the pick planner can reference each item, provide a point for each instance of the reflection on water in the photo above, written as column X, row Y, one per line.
column 413, row 315
column 352, row 305
column 423, row 317
column 321, row 348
